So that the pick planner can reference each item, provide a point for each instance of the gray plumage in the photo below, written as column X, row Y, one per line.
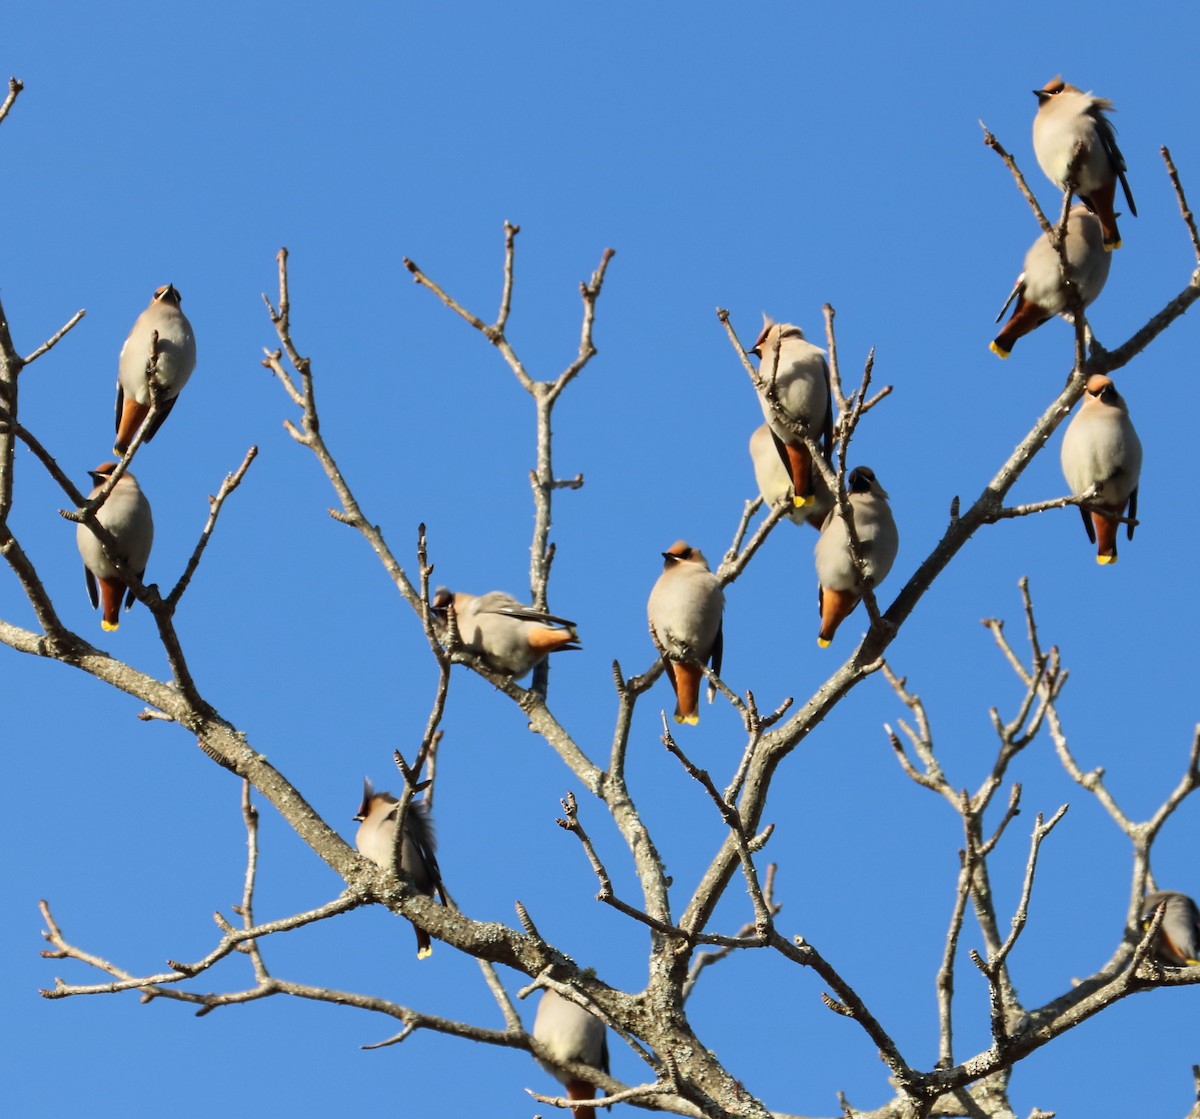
column 797, row 375
column 1100, row 447
column 1067, row 118
column 1039, row 291
column 800, row 374
column 879, row 541
column 176, row 349
column 511, row 637
column 1178, row 940
column 685, row 610
column 774, row 482
column 571, row 1034
column 376, row 840
column 126, row 515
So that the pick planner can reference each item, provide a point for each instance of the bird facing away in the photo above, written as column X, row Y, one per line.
column 798, row 371
column 1066, row 118
column 510, row 637
column 376, row 840
column 774, row 482
column 571, row 1033
column 1100, row 448
column 879, row 540
column 1040, row 292
column 685, row 618
column 176, row 349
column 126, row 515
column 1178, row 940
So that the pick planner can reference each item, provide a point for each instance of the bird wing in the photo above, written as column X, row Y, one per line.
column 499, row 603
column 93, row 591
column 419, row 828
column 1087, row 524
column 827, row 433
column 1131, row 509
column 1017, row 287
column 164, row 410
column 1108, row 140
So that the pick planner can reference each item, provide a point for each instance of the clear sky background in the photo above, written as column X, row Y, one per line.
column 768, row 157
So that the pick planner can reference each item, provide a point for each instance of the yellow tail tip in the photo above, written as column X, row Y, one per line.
column 824, row 642
column 1106, row 560
column 1109, row 248
column 998, row 350
column 424, row 953
column 802, row 502
column 109, row 627
column 689, row 720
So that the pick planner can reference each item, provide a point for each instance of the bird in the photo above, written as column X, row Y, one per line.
column 798, row 371
column 1067, row 117
column 376, row 840
column 685, row 619
column 1178, row 941
column 774, row 482
column 1101, row 448
column 571, row 1034
column 509, row 636
column 1039, row 290
column 126, row 515
column 176, row 350
column 879, row 540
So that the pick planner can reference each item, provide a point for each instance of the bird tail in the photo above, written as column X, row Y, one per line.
column 1101, row 202
column 1106, row 538
column 581, row 1090
column 836, row 607
column 686, row 680
column 1026, row 318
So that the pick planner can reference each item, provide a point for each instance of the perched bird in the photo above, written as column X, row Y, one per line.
column 510, row 637
column 774, row 482
column 1067, row 117
column 1100, row 448
column 176, row 350
column 126, row 515
column 1039, row 290
column 571, row 1033
column 685, row 618
column 800, row 376
column 1178, row 940
column 837, row 587
column 376, row 840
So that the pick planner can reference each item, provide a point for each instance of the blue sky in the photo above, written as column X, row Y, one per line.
column 774, row 157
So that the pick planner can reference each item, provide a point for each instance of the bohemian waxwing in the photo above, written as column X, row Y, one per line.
column 1039, row 290
column 376, row 840
column 1178, row 940
column 571, row 1034
column 176, row 348
column 685, row 617
column 798, row 371
column 1067, row 117
column 774, row 482
column 126, row 515
column 1100, row 448
column 510, row 637
column 837, row 586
